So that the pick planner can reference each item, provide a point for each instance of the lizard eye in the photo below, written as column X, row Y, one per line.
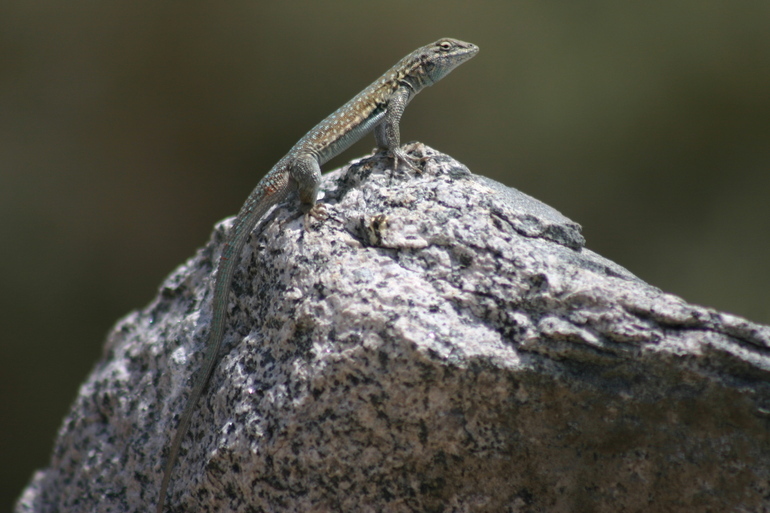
column 445, row 45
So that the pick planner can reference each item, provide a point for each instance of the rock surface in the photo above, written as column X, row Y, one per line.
column 439, row 343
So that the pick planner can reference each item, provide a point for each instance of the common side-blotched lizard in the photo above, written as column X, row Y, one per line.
column 378, row 107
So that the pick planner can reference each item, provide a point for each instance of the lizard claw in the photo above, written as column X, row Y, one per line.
column 399, row 154
column 317, row 211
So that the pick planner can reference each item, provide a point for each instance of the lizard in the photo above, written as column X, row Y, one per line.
column 379, row 107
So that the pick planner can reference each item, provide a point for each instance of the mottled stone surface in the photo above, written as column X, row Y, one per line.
column 439, row 343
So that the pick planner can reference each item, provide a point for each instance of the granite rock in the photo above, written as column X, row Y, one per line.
column 440, row 342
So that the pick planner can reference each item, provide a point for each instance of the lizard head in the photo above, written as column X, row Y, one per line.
column 437, row 59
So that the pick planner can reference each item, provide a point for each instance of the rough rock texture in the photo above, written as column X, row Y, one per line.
column 439, row 343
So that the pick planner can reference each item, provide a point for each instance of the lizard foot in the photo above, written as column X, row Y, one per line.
column 401, row 155
column 317, row 211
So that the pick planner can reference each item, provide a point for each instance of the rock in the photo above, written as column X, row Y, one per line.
column 439, row 343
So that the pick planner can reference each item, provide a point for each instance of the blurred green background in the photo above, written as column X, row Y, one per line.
column 127, row 129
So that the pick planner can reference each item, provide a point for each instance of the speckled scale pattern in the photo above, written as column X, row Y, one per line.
column 369, row 106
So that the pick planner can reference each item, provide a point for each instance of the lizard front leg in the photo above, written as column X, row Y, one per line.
column 388, row 132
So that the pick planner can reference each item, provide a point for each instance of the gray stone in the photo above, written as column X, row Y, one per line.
column 439, row 343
